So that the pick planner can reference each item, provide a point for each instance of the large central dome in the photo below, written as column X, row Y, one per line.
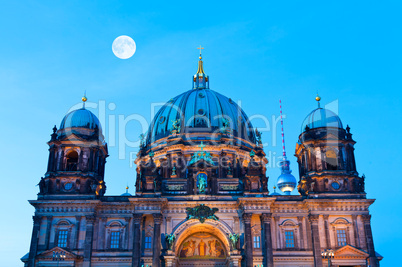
column 201, row 111
column 200, row 114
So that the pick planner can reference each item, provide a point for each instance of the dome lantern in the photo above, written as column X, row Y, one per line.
column 200, row 79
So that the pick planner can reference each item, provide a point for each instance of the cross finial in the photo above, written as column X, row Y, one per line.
column 202, row 146
column 200, row 50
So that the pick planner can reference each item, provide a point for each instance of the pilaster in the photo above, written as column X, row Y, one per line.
column 34, row 240
column 369, row 240
column 137, row 219
column 315, row 240
column 156, row 262
column 267, row 248
column 247, row 239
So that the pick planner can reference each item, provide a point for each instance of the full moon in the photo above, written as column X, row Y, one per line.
column 124, row 47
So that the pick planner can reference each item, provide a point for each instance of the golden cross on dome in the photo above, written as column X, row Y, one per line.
column 200, row 50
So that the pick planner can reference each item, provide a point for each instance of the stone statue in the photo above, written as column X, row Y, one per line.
column 225, row 129
column 258, row 136
column 201, row 183
column 43, row 186
column 142, row 140
column 169, row 241
column 176, row 127
column 234, row 238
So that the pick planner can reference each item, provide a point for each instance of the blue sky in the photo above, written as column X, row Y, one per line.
column 256, row 52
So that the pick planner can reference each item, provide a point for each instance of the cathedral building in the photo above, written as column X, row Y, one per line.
column 201, row 195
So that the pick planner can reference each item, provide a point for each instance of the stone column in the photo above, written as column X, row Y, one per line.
column 326, row 224
column 267, row 249
column 34, row 240
column 77, row 232
column 89, row 233
column 309, row 237
column 247, row 239
column 369, row 240
column 137, row 218
column 156, row 262
column 316, row 240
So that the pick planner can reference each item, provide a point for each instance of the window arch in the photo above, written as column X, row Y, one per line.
column 72, row 160
column 289, row 231
column 114, row 234
column 62, row 233
column 331, row 159
column 341, row 231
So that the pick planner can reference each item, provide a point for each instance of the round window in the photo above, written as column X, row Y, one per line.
column 161, row 119
column 201, row 95
column 335, row 185
column 201, row 112
column 68, row 186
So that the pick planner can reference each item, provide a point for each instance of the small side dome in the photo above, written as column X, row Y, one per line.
column 80, row 118
column 321, row 117
column 126, row 194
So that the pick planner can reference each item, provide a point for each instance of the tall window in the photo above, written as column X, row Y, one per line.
column 290, row 239
column 148, row 242
column 332, row 160
column 257, row 242
column 341, row 234
column 114, row 239
column 72, row 161
column 62, row 238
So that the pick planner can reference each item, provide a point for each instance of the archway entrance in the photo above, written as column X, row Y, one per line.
column 202, row 244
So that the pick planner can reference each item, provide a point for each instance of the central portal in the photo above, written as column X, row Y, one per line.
column 202, row 249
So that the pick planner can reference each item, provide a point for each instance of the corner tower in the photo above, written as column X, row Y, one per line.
column 77, row 157
column 325, row 154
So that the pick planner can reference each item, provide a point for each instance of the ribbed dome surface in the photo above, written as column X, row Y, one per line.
column 200, row 110
column 80, row 118
column 321, row 117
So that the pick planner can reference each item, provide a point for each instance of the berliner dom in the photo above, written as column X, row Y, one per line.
column 201, row 193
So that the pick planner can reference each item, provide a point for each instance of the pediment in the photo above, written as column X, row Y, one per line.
column 49, row 254
column 350, row 251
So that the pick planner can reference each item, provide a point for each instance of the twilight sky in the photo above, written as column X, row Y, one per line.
column 256, row 52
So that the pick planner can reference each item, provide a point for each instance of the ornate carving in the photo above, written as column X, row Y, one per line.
column 366, row 218
column 247, row 217
column 201, row 155
column 157, row 218
column 266, row 217
column 202, row 213
column 313, row 218
column 175, row 127
column 170, row 240
column 90, row 219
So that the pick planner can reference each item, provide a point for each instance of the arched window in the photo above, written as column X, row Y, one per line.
column 72, row 161
column 332, row 160
column 63, row 233
column 114, row 234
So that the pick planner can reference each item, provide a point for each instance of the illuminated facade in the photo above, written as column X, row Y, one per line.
column 201, row 194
